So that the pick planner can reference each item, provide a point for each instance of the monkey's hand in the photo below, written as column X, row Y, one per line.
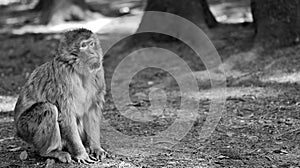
column 64, row 157
column 84, row 158
column 97, row 152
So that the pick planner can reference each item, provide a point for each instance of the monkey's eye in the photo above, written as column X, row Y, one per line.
column 92, row 44
column 83, row 45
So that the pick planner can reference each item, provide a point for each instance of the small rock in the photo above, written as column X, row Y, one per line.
column 23, row 155
column 229, row 134
column 150, row 82
column 279, row 142
column 222, row 157
column 172, row 162
column 14, row 149
column 141, row 95
column 11, row 146
column 289, row 121
column 253, row 138
column 280, row 151
column 124, row 165
column 49, row 163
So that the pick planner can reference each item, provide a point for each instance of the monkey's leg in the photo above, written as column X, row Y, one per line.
column 70, row 133
column 38, row 125
column 91, row 126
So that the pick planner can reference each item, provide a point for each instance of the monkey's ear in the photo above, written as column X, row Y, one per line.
column 62, row 47
column 63, row 40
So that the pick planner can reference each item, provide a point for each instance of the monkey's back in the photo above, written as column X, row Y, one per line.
column 57, row 83
column 45, row 84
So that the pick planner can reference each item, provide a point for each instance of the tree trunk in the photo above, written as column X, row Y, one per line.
column 57, row 11
column 192, row 10
column 277, row 22
column 208, row 16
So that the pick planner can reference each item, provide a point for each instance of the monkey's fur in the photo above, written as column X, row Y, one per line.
column 58, row 109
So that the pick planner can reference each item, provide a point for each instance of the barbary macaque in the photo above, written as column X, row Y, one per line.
column 59, row 108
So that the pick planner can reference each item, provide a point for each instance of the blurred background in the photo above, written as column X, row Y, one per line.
column 258, row 44
column 17, row 13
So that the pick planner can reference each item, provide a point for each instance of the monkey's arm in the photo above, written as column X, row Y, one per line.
column 91, row 123
column 92, row 118
column 70, row 133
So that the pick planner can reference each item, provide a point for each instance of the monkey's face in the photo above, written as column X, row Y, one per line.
column 90, row 53
column 81, row 48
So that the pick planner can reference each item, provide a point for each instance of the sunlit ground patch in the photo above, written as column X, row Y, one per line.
column 234, row 92
column 94, row 26
column 283, row 78
column 7, row 103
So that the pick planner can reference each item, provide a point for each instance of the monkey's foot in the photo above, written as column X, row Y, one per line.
column 84, row 158
column 64, row 157
column 97, row 153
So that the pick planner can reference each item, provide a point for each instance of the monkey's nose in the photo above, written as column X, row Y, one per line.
column 95, row 65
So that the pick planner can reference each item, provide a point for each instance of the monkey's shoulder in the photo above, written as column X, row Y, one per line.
column 39, row 70
column 46, row 82
column 33, row 91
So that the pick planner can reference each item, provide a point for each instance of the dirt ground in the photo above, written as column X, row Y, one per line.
column 259, row 127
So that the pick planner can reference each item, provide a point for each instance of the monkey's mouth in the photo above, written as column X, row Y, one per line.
column 94, row 63
column 94, row 66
